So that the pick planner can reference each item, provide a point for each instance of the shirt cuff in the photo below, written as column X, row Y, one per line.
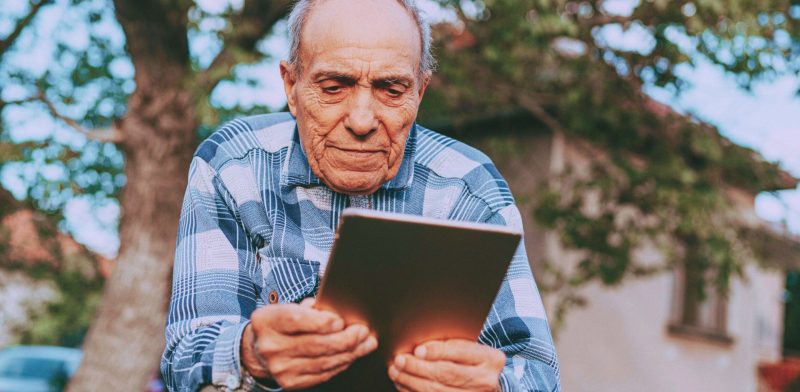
column 508, row 381
column 226, row 369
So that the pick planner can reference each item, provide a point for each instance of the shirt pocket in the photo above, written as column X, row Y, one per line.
column 288, row 279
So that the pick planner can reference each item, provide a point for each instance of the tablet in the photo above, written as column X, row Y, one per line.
column 411, row 279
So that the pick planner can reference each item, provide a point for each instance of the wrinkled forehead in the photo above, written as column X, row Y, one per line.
column 363, row 33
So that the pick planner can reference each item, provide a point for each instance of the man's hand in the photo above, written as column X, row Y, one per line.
column 298, row 346
column 448, row 366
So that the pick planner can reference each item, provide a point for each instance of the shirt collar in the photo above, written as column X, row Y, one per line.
column 296, row 170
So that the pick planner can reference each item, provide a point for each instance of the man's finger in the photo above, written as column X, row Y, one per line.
column 329, row 364
column 457, row 350
column 318, row 345
column 305, row 381
column 313, row 366
column 295, row 319
column 303, row 319
column 367, row 347
column 333, row 362
column 409, row 382
column 318, row 370
column 309, row 301
column 443, row 372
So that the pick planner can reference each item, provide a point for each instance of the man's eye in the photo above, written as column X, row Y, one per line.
column 332, row 89
column 393, row 92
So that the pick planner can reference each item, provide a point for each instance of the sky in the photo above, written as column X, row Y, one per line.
column 767, row 118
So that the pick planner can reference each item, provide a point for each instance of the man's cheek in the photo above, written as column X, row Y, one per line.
column 409, row 109
column 323, row 117
column 400, row 123
column 312, row 105
column 397, row 145
column 400, row 118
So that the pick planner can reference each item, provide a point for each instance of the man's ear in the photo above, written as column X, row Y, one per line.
column 423, row 83
column 289, row 81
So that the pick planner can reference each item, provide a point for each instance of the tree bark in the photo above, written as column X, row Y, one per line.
column 127, row 336
column 125, row 341
column 158, row 133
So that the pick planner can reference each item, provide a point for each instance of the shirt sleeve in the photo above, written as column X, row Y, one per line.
column 517, row 323
column 213, row 293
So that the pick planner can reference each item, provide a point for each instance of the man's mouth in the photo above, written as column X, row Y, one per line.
column 359, row 154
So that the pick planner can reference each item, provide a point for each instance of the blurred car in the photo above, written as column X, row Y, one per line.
column 156, row 383
column 37, row 368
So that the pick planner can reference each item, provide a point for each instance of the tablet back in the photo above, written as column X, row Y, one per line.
column 411, row 279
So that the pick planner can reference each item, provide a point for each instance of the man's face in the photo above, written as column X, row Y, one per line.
column 358, row 94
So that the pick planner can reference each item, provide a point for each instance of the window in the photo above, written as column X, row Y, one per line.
column 695, row 313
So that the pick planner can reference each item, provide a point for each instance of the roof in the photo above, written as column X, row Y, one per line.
column 739, row 166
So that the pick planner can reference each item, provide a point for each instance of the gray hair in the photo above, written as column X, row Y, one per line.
column 301, row 9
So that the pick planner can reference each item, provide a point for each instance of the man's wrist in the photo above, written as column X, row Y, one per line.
column 255, row 372
column 251, row 382
column 251, row 362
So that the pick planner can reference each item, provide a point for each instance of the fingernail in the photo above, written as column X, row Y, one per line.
column 400, row 361
column 338, row 325
column 393, row 372
column 362, row 333
column 420, row 352
column 371, row 344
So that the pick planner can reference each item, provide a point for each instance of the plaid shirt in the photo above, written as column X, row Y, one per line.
column 255, row 219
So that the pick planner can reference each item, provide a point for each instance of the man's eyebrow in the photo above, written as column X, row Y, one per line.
column 390, row 80
column 334, row 75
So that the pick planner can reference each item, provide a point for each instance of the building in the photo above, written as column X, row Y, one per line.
column 646, row 334
column 41, row 267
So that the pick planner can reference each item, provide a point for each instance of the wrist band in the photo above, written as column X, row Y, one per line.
column 249, row 382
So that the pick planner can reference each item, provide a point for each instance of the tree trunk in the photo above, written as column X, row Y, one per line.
column 126, row 338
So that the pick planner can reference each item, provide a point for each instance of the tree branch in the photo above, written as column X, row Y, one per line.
column 155, row 31
column 601, row 19
column 249, row 26
column 21, row 101
column 529, row 103
column 112, row 134
column 8, row 41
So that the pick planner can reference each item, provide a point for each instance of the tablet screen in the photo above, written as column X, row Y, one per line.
column 411, row 279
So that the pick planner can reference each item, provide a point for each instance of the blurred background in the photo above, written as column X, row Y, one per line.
column 653, row 148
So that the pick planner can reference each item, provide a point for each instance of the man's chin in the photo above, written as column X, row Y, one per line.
column 355, row 183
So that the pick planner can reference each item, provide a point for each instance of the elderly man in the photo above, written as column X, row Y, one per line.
column 263, row 203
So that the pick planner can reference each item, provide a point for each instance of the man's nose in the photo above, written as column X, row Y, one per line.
column 362, row 120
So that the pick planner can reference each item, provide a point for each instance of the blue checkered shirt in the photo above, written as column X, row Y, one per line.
column 255, row 219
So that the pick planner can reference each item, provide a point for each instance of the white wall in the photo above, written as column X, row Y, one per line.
column 620, row 342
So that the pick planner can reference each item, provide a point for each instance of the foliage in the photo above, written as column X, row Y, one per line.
column 615, row 213
column 671, row 195
column 662, row 182
column 547, row 57
column 74, row 275
column 86, row 82
column 66, row 320
column 554, row 52
column 62, row 107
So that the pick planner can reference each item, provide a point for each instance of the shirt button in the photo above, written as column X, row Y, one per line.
column 273, row 297
column 232, row 382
